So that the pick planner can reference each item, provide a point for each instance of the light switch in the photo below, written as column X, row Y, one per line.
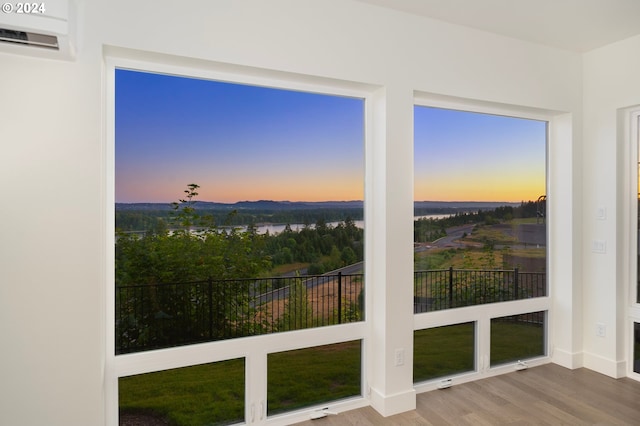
column 599, row 246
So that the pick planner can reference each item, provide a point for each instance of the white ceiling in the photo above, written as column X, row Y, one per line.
column 576, row 25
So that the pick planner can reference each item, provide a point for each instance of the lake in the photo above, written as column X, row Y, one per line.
column 276, row 229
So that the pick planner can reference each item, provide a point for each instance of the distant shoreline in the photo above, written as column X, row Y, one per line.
column 292, row 205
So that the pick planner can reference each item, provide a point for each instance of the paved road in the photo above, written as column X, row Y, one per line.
column 528, row 235
column 283, row 292
column 448, row 241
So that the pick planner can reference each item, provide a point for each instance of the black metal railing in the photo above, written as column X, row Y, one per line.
column 154, row 316
column 452, row 288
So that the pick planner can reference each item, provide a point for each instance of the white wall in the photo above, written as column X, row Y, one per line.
column 50, row 225
column 52, row 165
column 610, row 84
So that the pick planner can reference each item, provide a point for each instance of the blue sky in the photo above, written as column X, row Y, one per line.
column 242, row 142
column 237, row 142
column 465, row 156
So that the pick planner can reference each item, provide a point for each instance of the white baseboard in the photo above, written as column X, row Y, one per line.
column 388, row 405
column 570, row 360
column 606, row 366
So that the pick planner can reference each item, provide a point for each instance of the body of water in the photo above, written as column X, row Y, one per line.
column 295, row 227
column 276, row 229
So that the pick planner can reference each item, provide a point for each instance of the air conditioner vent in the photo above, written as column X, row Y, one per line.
column 28, row 38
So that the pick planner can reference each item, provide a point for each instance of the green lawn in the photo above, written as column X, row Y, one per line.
column 213, row 394
column 513, row 341
column 443, row 351
column 305, row 377
column 209, row 394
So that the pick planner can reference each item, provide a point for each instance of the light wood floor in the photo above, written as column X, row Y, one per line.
column 545, row 395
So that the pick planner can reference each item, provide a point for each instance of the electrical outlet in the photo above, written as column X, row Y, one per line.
column 399, row 357
column 601, row 330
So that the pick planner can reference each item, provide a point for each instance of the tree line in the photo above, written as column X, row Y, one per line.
column 190, row 246
column 159, row 219
column 213, row 262
column 428, row 230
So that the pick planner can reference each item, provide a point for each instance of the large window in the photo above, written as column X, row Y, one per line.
column 239, row 210
column 480, row 208
column 480, row 242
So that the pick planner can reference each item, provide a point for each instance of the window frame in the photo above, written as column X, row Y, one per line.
column 629, row 128
column 253, row 349
column 483, row 314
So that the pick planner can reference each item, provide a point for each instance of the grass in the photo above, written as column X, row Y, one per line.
column 209, row 394
column 538, row 253
column 286, row 269
column 213, row 394
column 513, row 341
column 525, row 221
column 458, row 259
column 443, row 351
column 305, row 377
column 488, row 233
column 434, row 259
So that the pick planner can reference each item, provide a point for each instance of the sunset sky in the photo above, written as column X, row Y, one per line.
column 237, row 142
column 243, row 142
column 464, row 156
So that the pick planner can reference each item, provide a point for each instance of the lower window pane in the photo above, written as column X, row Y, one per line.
column 443, row 351
column 517, row 337
column 310, row 376
column 211, row 394
column 636, row 347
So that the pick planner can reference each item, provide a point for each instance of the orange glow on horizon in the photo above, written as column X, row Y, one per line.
column 515, row 191
column 275, row 190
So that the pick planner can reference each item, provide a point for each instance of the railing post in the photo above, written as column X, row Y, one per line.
column 515, row 283
column 210, row 296
column 450, row 286
column 340, row 297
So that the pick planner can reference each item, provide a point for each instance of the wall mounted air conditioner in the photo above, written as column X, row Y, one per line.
column 43, row 28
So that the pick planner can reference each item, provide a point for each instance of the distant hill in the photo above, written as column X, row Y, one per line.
column 310, row 205
column 248, row 205
column 296, row 205
column 466, row 205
